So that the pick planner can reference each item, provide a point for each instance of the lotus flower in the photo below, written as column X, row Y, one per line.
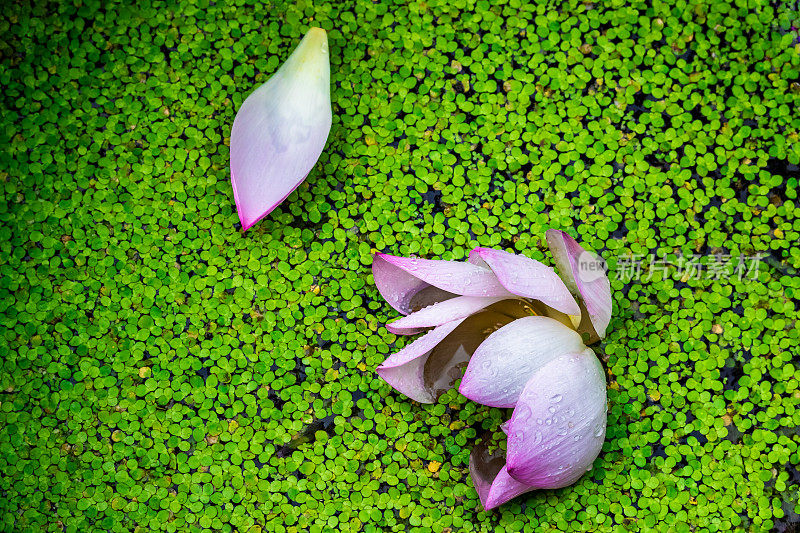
column 281, row 129
column 521, row 331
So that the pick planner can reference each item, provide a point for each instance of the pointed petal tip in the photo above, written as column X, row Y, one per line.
column 491, row 480
column 584, row 273
column 528, row 278
column 440, row 313
column 570, row 391
column 404, row 370
column 461, row 278
column 280, row 130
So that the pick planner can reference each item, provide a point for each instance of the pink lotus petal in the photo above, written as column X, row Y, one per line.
column 440, row 313
column 400, row 279
column 584, row 275
column 434, row 362
column 528, row 278
column 405, row 370
column 505, row 361
column 396, row 285
column 281, row 129
column 558, row 426
column 490, row 477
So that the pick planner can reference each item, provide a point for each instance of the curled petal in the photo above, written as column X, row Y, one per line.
column 430, row 365
column 401, row 289
column 281, row 129
column 528, row 278
column 558, row 426
column 399, row 279
column 405, row 370
column 440, row 313
column 490, row 477
column 505, row 361
column 584, row 274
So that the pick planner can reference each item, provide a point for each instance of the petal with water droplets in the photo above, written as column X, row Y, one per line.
column 505, row 361
column 528, row 278
column 440, row 313
column 584, row 274
column 403, row 291
column 281, row 129
column 399, row 279
column 558, row 426
column 430, row 365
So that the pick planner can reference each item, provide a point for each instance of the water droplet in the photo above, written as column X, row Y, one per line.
column 551, row 409
column 555, row 398
column 548, row 421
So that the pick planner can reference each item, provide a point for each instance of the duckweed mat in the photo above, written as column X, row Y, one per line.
column 161, row 370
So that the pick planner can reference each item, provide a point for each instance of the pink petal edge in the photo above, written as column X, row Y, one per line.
column 593, row 287
column 502, row 365
column 528, row 278
column 440, row 313
column 404, row 370
column 558, row 427
column 498, row 490
column 280, row 130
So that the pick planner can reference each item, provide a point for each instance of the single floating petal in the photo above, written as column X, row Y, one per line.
column 281, row 129
column 559, row 424
column 584, row 274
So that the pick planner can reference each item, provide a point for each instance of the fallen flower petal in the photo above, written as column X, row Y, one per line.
column 280, row 130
